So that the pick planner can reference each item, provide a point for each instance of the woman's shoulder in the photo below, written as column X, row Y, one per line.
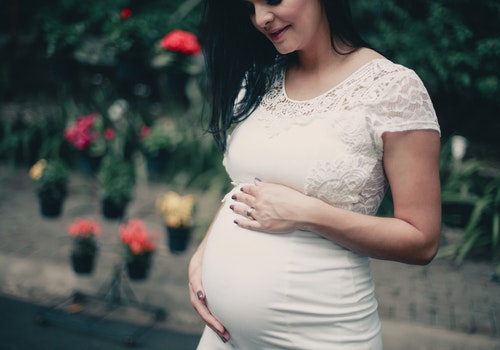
column 365, row 55
column 397, row 97
column 387, row 77
column 373, row 70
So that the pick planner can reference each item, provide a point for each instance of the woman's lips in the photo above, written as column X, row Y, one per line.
column 278, row 34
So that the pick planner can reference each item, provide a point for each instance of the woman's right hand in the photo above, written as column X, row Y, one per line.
column 198, row 297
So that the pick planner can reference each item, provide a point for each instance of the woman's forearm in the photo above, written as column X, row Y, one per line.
column 377, row 237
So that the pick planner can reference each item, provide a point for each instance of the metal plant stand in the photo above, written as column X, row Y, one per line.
column 101, row 313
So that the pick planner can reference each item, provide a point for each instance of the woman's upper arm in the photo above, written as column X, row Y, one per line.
column 411, row 163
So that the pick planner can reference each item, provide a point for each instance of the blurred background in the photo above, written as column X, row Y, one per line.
column 112, row 92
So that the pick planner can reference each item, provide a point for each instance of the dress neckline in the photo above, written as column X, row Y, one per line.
column 350, row 77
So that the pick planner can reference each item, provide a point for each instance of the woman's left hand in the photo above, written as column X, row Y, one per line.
column 268, row 207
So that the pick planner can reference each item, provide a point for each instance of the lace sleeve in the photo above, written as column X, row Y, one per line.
column 403, row 104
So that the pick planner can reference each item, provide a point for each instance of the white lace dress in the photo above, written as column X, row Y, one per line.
column 299, row 290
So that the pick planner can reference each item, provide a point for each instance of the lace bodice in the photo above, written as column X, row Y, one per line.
column 331, row 147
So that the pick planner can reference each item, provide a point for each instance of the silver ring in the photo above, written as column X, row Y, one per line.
column 249, row 212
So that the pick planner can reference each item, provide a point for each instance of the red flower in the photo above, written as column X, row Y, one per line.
column 84, row 227
column 181, row 41
column 81, row 134
column 134, row 234
column 109, row 134
column 145, row 131
column 125, row 13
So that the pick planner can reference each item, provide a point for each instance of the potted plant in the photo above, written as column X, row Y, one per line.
column 84, row 251
column 139, row 245
column 157, row 143
column 87, row 135
column 51, row 178
column 177, row 214
column 117, row 178
column 177, row 56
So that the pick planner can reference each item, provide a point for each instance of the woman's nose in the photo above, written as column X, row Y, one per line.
column 263, row 16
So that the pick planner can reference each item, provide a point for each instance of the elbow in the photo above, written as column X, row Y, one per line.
column 427, row 253
column 426, row 257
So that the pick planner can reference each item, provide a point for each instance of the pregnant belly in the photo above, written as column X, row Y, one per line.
column 260, row 286
column 244, row 274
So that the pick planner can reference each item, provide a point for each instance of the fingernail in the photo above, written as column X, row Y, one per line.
column 257, row 179
column 233, row 196
column 231, row 207
column 236, row 222
column 222, row 337
column 199, row 295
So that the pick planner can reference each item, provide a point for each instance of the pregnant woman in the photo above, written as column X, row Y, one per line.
column 314, row 126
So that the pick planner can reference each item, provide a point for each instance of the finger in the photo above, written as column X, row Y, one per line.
column 201, row 308
column 196, row 296
column 250, row 189
column 198, row 300
column 244, row 198
column 212, row 322
column 249, row 224
column 197, row 290
column 249, row 213
column 243, row 210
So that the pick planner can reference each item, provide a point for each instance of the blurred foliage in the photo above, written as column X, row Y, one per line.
column 117, row 177
column 51, row 178
column 471, row 200
column 49, row 47
column 54, row 46
column 67, row 23
column 454, row 46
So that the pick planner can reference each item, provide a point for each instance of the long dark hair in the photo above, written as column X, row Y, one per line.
column 238, row 56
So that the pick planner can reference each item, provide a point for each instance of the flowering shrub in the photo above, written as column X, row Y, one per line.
column 109, row 134
column 117, row 178
column 181, row 41
column 84, row 232
column 176, row 210
column 51, row 177
column 175, row 49
column 137, row 239
column 161, row 136
column 86, row 134
column 125, row 13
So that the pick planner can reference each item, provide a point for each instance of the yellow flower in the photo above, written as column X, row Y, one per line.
column 36, row 170
column 176, row 210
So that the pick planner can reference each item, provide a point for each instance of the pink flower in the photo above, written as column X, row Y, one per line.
column 125, row 13
column 135, row 235
column 181, row 41
column 109, row 134
column 84, row 227
column 80, row 134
